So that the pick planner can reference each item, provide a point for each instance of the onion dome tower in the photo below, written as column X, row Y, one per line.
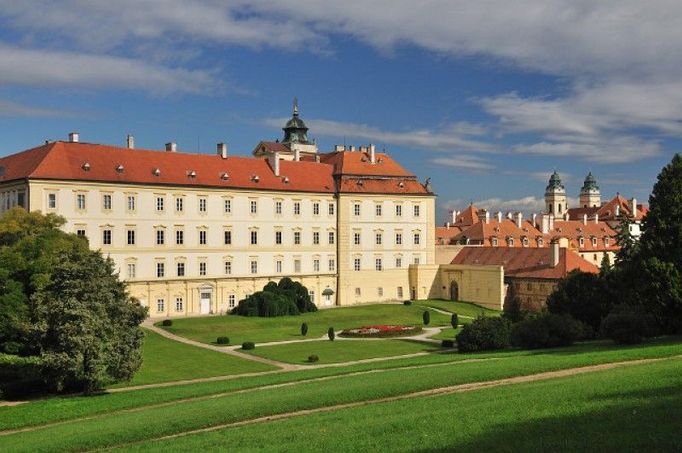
column 295, row 131
column 590, row 197
column 555, row 196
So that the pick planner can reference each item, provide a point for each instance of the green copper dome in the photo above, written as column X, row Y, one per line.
column 295, row 131
column 590, row 183
column 554, row 182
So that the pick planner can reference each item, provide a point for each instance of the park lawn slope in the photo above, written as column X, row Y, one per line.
column 166, row 360
column 635, row 408
column 341, row 350
column 465, row 310
column 258, row 330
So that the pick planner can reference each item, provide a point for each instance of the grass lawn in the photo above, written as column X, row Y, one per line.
column 258, row 330
column 461, row 308
column 497, row 411
column 341, row 350
column 167, row 360
column 446, row 334
column 636, row 408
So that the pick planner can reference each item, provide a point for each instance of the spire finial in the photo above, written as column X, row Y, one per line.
column 295, row 106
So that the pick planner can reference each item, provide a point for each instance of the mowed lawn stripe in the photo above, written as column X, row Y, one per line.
column 634, row 408
column 123, row 428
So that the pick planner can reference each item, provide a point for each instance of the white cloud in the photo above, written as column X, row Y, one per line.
column 8, row 108
column 527, row 205
column 463, row 162
column 33, row 67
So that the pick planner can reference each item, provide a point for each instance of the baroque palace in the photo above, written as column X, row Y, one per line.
column 195, row 233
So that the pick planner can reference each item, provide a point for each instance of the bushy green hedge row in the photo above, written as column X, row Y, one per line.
column 277, row 299
column 546, row 330
column 484, row 334
column 20, row 376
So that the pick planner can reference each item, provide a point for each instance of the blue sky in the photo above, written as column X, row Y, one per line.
column 486, row 98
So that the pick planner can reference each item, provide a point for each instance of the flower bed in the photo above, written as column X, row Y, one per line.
column 381, row 331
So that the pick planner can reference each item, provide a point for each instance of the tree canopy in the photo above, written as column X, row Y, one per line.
column 277, row 299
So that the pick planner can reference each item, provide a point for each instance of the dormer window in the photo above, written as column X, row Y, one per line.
column 541, row 242
column 594, row 242
column 255, row 178
column 493, row 241
column 525, row 241
column 119, row 168
column 85, row 166
column 224, row 176
column 191, row 174
column 606, row 242
column 581, row 241
column 285, row 180
column 156, row 172
column 510, row 241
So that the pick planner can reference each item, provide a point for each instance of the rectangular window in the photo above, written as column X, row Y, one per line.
column 80, row 233
column 254, row 237
column 417, row 239
column 332, row 238
column 254, row 207
column 316, row 265
column 400, row 292
column 228, row 267
column 356, row 238
column 160, row 305
column 356, row 209
column 278, row 237
column 378, row 265
column 106, row 237
column 398, row 262
column 380, row 291
column 202, row 268
column 398, row 210
column 80, row 201
column 178, row 304
column 180, row 269
column 202, row 204
column 106, row 202
column 297, row 266
column 316, row 237
column 131, row 270
column 52, row 201
column 297, row 208
column 160, row 269
column 227, row 206
column 254, row 267
column 377, row 238
column 179, row 204
column 377, row 210
column 297, row 237
column 330, row 208
column 312, row 296
column 416, row 260
column 278, row 207
column 416, row 210
column 278, row 266
column 227, row 237
column 159, row 203
column 316, row 208
column 131, row 237
column 131, row 202
column 332, row 265
column 179, row 237
column 202, row 237
column 357, row 292
column 356, row 264
column 398, row 238
column 160, row 237
column 231, row 300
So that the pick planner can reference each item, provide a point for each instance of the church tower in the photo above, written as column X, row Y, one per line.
column 589, row 193
column 555, row 196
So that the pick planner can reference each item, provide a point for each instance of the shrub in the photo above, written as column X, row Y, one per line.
column 407, row 302
column 304, row 329
column 248, row 345
column 484, row 334
column 19, row 376
column 331, row 334
column 276, row 299
column 223, row 340
column 512, row 309
column 167, row 322
column 426, row 316
column 625, row 325
column 448, row 343
column 454, row 320
column 546, row 330
column 312, row 358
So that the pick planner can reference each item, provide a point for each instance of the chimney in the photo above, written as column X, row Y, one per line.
column 297, row 154
column 510, row 216
column 535, row 220
column 74, row 137
column 338, row 148
column 567, row 216
column 551, row 221
column 554, row 251
column 274, row 162
column 596, row 218
column 519, row 219
column 447, row 225
column 545, row 223
column 634, row 208
column 498, row 214
column 617, row 210
column 584, row 219
column 483, row 216
column 221, row 149
column 351, row 148
column 130, row 142
column 372, row 154
column 455, row 213
column 171, row 147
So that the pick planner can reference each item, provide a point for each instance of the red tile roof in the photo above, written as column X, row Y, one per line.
column 467, row 217
column 368, row 185
column 444, row 235
column 607, row 211
column 525, row 262
column 482, row 233
column 574, row 229
column 358, row 163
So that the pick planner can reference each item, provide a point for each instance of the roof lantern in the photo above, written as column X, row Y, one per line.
column 295, row 131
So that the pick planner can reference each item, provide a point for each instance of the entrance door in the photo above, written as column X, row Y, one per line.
column 327, row 300
column 454, row 291
column 205, row 303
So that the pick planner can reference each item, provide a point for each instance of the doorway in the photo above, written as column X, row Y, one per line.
column 454, row 291
column 205, row 303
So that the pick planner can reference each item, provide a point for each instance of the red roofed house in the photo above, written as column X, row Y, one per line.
column 196, row 233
